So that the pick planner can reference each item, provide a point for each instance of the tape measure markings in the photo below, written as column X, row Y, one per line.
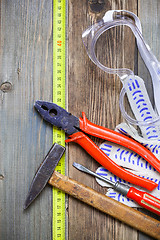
column 59, row 35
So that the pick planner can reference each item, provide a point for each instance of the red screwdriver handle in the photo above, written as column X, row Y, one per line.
column 105, row 161
column 145, row 200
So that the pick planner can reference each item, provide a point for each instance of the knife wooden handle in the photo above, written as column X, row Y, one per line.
column 123, row 213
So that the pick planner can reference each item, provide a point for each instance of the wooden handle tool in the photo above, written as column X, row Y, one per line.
column 46, row 174
column 123, row 213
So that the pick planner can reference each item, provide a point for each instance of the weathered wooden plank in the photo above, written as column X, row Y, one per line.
column 26, row 66
column 26, row 63
column 148, row 12
column 97, row 94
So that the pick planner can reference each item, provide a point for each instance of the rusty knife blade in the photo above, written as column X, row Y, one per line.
column 44, row 172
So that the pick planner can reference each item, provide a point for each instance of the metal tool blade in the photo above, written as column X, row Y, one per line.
column 86, row 170
column 44, row 172
column 120, row 187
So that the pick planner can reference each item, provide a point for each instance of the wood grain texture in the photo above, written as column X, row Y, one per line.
column 107, row 205
column 148, row 12
column 26, row 63
column 97, row 94
column 26, row 76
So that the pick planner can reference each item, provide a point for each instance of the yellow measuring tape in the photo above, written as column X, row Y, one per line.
column 59, row 50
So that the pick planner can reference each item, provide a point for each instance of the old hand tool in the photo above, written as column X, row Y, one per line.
column 44, row 172
column 76, row 127
column 144, row 199
column 85, row 194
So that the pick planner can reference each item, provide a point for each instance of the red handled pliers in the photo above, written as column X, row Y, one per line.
column 77, row 127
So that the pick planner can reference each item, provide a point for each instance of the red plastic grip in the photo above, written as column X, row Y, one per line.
column 145, row 200
column 105, row 161
column 113, row 136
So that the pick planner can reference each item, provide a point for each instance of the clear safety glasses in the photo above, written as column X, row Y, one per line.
column 133, row 85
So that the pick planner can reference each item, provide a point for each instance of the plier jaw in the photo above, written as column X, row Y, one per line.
column 77, row 128
column 58, row 116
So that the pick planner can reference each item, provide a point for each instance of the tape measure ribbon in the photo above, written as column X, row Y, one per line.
column 59, row 35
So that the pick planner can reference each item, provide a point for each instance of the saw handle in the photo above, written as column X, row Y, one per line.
column 123, row 213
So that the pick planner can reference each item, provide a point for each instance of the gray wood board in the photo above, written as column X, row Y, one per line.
column 148, row 12
column 26, row 63
column 26, row 76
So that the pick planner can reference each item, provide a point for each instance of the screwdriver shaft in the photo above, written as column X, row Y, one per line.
column 86, row 170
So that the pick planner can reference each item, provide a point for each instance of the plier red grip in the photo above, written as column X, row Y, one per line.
column 77, row 127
